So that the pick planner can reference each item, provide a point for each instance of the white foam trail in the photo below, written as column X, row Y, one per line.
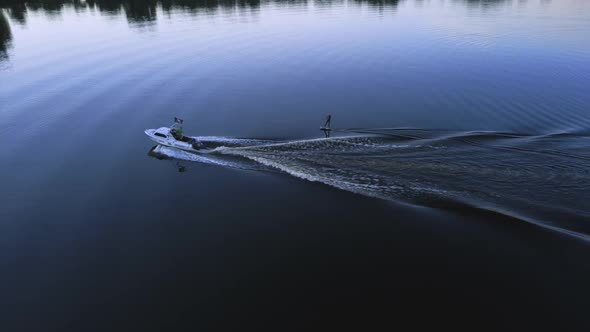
column 414, row 174
column 188, row 156
column 231, row 141
column 334, row 162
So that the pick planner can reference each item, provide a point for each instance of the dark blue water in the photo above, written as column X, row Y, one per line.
column 457, row 175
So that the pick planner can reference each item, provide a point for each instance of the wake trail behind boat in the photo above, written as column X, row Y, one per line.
column 537, row 179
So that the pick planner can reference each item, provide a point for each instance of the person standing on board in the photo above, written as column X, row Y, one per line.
column 326, row 128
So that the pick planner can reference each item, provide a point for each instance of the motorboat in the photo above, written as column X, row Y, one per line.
column 173, row 137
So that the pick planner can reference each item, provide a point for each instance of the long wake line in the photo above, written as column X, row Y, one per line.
column 537, row 179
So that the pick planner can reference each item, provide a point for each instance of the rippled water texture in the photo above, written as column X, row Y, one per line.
column 537, row 179
column 497, row 91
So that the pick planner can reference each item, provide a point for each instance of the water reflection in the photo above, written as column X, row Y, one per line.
column 145, row 11
column 379, row 4
column 46, row 6
column 5, row 37
column 178, row 165
column 111, row 7
column 203, row 6
column 138, row 11
column 485, row 3
column 16, row 10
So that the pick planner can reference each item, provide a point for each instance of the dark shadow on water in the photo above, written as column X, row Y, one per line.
column 152, row 153
column 178, row 165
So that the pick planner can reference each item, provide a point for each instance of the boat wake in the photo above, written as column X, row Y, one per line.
column 538, row 179
column 210, row 155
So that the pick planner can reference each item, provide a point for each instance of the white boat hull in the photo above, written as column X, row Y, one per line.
column 162, row 136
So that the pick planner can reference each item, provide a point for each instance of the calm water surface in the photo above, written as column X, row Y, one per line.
column 462, row 154
column 496, row 90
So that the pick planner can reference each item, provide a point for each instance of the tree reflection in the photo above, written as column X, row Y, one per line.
column 16, row 10
column 379, row 3
column 484, row 3
column 111, row 7
column 145, row 11
column 47, row 6
column 140, row 11
column 136, row 11
column 5, row 37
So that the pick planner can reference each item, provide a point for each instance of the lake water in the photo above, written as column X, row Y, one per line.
column 455, row 182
